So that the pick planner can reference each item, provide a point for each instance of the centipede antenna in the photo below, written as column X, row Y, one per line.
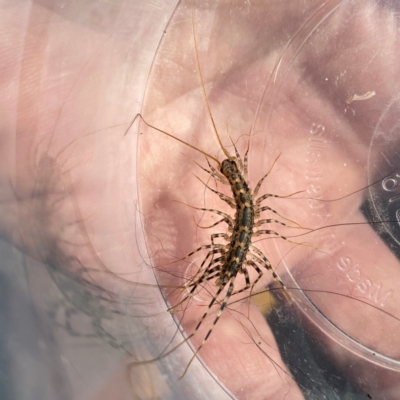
column 176, row 138
column 205, row 93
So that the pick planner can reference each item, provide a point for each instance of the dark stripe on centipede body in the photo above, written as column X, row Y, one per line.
column 239, row 253
column 246, row 217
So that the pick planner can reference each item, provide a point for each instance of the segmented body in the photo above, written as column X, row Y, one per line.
column 244, row 222
column 234, row 255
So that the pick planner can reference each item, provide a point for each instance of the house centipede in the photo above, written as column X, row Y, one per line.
column 224, row 262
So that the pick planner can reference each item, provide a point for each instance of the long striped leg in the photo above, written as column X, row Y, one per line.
column 258, row 270
column 237, row 155
column 245, row 158
column 211, row 253
column 219, row 250
column 262, row 179
column 205, row 247
column 214, row 249
column 212, row 274
column 248, row 285
column 264, row 262
column 215, row 174
column 261, row 259
column 271, row 221
column 202, row 270
column 228, row 218
column 221, row 235
column 219, row 313
column 271, row 232
column 242, row 163
column 205, row 271
column 227, row 199
column 204, row 277
column 246, row 273
column 247, row 278
column 258, row 210
column 268, row 232
column 213, row 300
column 265, row 196
column 230, row 225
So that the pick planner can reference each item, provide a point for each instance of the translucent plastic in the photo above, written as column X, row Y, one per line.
column 94, row 203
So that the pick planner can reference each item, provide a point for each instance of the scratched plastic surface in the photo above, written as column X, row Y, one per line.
column 317, row 84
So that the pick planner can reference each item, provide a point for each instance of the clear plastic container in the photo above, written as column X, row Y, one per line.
column 91, row 203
